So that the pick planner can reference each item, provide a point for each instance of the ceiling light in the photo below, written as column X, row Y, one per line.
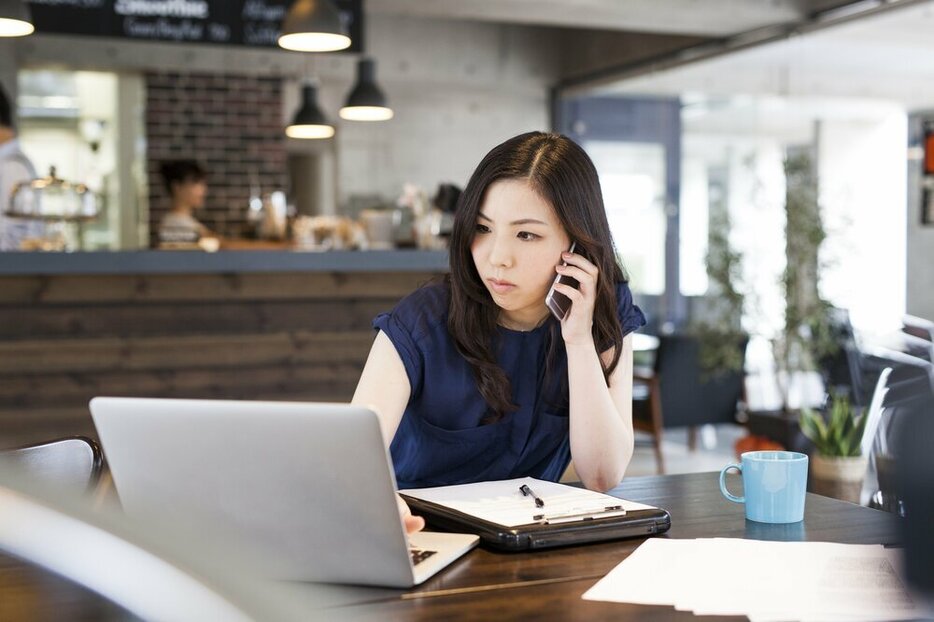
column 15, row 20
column 366, row 102
column 309, row 121
column 313, row 26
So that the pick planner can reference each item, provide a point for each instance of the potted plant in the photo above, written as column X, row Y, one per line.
column 720, row 335
column 807, row 335
column 838, row 468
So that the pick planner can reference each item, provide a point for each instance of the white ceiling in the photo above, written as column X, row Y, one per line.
column 689, row 17
column 858, row 69
column 887, row 57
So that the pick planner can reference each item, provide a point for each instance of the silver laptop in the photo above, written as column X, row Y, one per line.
column 307, row 486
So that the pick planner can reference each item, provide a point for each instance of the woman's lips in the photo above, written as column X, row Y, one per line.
column 501, row 287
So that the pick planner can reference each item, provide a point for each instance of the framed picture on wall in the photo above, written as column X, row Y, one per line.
column 929, row 151
column 927, row 177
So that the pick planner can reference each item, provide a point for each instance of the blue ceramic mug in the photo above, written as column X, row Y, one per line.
column 774, row 483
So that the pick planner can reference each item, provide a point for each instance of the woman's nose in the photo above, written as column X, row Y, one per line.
column 500, row 254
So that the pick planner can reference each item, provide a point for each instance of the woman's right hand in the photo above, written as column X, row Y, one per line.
column 412, row 523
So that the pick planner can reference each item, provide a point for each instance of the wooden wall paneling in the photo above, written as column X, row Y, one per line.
column 28, row 426
column 20, row 289
column 292, row 336
column 188, row 287
column 22, row 322
column 112, row 353
column 78, row 388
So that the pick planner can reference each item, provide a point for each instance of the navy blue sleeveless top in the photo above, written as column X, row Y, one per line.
column 440, row 439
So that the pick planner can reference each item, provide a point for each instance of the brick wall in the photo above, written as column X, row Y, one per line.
column 231, row 124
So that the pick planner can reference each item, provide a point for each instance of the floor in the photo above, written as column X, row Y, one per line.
column 714, row 451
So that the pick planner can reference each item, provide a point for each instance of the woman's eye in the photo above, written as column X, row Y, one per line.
column 482, row 229
column 527, row 236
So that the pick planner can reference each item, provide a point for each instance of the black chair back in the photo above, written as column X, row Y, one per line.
column 74, row 463
column 690, row 397
column 915, row 483
column 840, row 369
column 908, row 403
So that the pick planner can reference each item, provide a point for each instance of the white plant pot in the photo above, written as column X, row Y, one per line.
column 840, row 478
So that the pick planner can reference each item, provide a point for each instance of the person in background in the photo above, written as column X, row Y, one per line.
column 186, row 183
column 473, row 378
column 15, row 168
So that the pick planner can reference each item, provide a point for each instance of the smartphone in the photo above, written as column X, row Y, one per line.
column 558, row 303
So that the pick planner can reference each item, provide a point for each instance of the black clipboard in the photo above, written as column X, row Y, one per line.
column 532, row 536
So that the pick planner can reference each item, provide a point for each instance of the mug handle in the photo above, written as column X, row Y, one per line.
column 723, row 490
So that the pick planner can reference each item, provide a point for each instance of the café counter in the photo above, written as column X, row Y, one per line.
column 278, row 325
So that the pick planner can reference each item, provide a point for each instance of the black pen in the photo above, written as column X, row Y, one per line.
column 527, row 492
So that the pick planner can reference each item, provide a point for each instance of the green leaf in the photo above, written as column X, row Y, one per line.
column 808, row 425
column 837, row 417
column 822, row 431
column 842, row 432
column 844, row 447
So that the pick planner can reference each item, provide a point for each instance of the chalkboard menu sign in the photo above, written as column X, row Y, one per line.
column 229, row 22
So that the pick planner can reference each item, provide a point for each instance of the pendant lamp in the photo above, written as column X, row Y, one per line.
column 313, row 26
column 309, row 121
column 15, row 20
column 366, row 102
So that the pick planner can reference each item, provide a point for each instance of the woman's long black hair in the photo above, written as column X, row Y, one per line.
column 563, row 175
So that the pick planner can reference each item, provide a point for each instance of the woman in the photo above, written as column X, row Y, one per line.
column 473, row 379
column 186, row 183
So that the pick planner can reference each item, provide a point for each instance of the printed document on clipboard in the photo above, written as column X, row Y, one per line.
column 528, row 513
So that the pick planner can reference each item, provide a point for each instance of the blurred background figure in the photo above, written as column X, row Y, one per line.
column 915, row 486
column 186, row 183
column 15, row 168
column 446, row 198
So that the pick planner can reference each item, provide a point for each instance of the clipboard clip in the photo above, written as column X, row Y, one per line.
column 567, row 517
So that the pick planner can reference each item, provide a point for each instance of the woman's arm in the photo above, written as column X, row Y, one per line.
column 384, row 386
column 601, row 415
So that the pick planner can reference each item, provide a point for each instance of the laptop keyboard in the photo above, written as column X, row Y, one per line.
column 419, row 555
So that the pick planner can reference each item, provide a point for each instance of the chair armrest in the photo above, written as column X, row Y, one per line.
column 645, row 374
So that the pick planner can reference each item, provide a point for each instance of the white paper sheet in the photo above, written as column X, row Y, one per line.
column 766, row 581
column 501, row 501
column 651, row 575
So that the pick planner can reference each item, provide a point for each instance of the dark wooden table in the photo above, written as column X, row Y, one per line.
column 542, row 585
column 28, row 592
column 549, row 584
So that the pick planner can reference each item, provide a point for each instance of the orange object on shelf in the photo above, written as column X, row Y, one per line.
column 929, row 153
column 756, row 443
column 243, row 244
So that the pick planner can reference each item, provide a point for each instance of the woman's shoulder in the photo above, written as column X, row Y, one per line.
column 429, row 300
column 425, row 309
column 623, row 293
column 630, row 316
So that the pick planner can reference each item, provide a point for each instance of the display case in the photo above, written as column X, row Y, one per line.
column 57, row 210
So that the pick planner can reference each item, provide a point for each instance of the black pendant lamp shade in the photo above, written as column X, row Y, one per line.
column 15, row 20
column 313, row 26
column 366, row 102
column 309, row 121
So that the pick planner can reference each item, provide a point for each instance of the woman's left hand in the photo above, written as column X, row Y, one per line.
column 577, row 325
